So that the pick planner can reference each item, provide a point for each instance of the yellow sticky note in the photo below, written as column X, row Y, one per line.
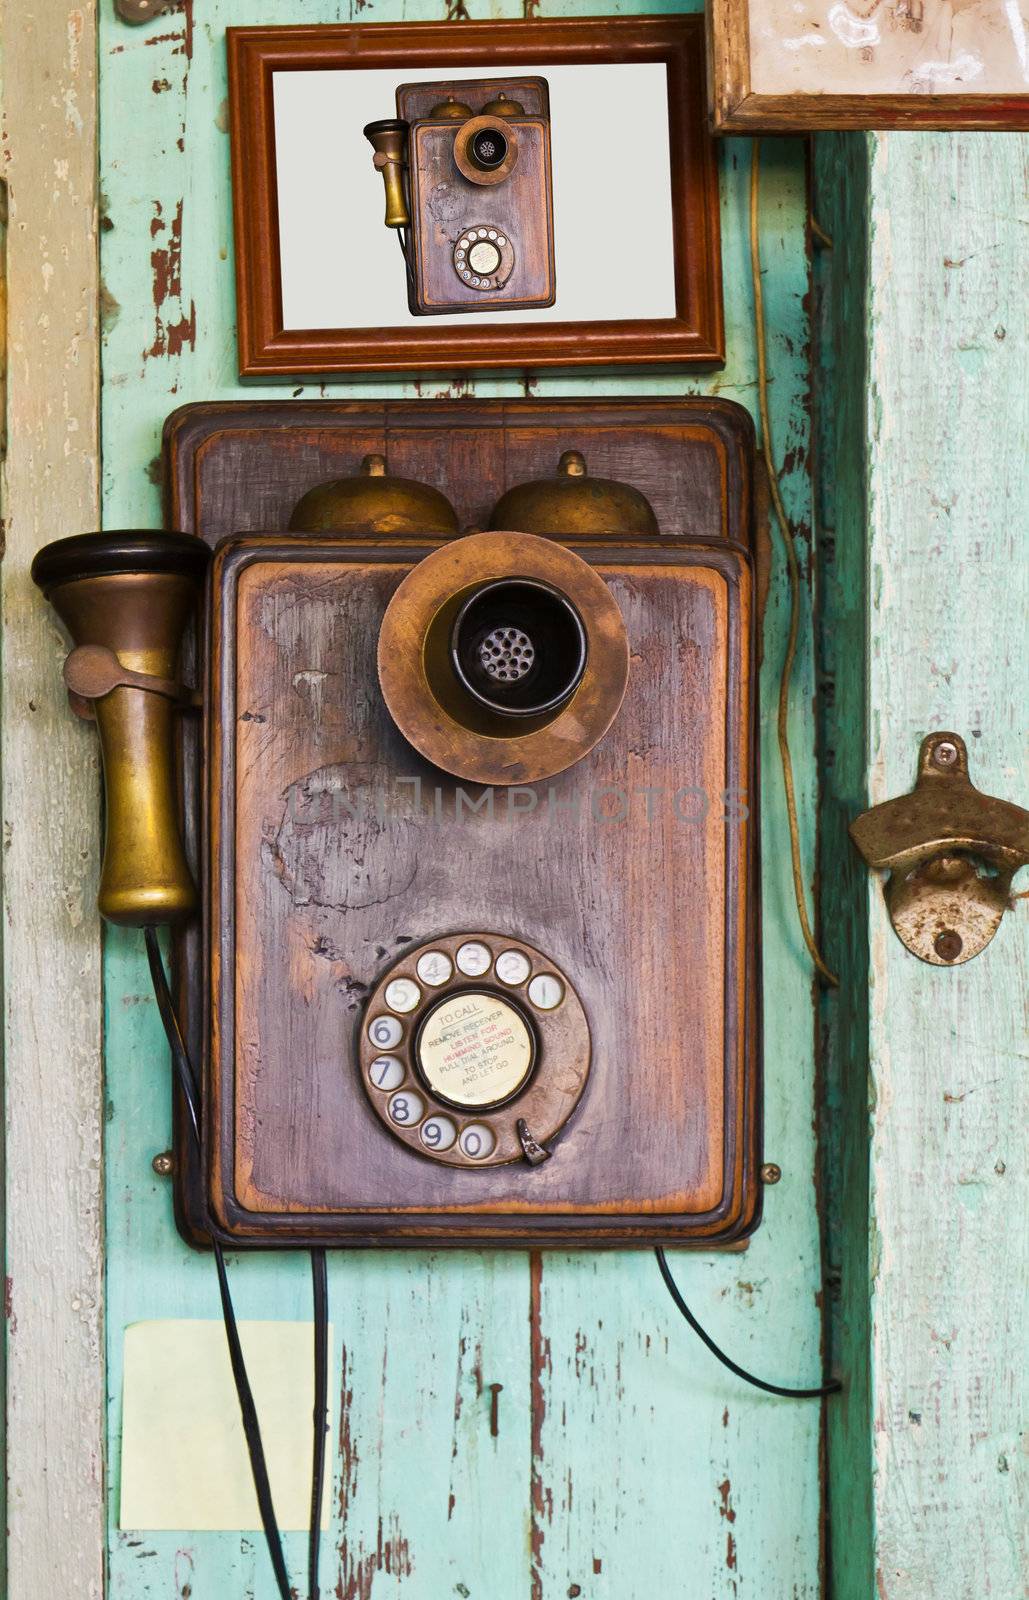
column 184, row 1461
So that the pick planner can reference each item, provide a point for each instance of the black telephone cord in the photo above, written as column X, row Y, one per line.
column 320, row 1290
column 830, row 1386
column 248, row 1410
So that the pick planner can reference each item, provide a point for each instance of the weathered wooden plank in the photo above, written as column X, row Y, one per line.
column 650, row 1461
column 514, row 1530
column 423, row 1496
column 948, row 575
column 51, row 945
column 841, row 280
column 421, row 1490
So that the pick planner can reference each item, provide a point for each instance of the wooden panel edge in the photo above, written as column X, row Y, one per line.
column 728, row 60
column 53, row 1185
column 812, row 113
column 735, row 107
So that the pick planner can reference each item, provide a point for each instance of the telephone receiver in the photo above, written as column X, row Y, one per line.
column 502, row 656
column 388, row 139
column 126, row 599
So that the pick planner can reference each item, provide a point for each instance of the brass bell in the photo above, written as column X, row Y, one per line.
column 373, row 502
column 574, row 503
column 451, row 110
column 126, row 598
column 503, row 107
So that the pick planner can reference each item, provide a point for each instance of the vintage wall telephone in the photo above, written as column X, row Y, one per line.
column 466, row 168
column 474, row 957
column 478, row 959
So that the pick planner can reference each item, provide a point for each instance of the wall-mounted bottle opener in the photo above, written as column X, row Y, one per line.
column 951, row 852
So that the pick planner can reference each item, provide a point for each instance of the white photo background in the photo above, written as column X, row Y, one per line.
column 342, row 268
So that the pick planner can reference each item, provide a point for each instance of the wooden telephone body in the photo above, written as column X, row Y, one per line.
column 340, row 867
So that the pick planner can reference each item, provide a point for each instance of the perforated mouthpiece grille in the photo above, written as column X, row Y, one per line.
column 507, row 654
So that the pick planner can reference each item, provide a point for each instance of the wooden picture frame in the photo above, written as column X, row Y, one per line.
column 736, row 107
column 267, row 349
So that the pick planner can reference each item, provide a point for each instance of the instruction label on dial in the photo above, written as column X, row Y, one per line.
column 475, row 1050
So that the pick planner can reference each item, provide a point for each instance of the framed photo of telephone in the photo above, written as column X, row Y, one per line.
column 418, row 197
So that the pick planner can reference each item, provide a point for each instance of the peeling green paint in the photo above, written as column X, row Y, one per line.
column 627, row 1462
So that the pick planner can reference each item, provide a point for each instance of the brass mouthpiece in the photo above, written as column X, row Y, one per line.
column 389, row 141
column 486, row 149
column 126, row 598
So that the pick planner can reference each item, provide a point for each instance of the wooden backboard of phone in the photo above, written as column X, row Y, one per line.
column 334, row 853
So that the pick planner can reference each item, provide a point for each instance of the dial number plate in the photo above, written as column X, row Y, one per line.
column 483, row 257
column 464, row 1037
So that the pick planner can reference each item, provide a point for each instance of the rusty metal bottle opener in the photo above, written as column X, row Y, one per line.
column 951, row 852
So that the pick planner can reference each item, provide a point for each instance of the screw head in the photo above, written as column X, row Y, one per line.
column 139, row 10
column 948, row 944
column 164, row 1164
column 771, row 1172
column 945, row 753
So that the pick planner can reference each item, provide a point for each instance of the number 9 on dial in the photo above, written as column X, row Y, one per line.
column 438, row 1133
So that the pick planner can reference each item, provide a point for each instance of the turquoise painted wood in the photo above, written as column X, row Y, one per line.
column 948, row 585
column 626, row 1462
column 924, row 419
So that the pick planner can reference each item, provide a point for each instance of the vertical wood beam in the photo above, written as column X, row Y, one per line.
column 642, row 1462
column 840, row 272
column 48, row 770
column 948, row 584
